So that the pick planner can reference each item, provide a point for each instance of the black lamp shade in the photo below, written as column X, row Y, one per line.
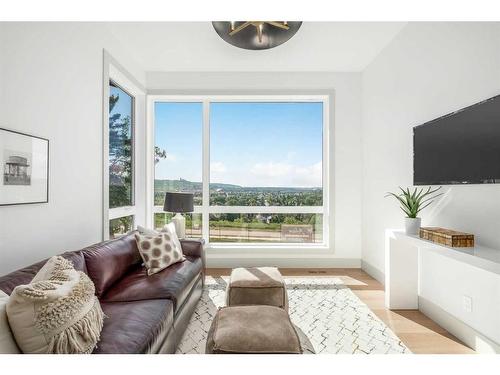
column 178, row 202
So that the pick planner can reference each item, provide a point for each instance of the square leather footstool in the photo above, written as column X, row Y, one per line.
column 252, row 330
column 257, row 286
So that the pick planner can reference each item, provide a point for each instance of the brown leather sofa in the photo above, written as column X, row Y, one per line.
column 145, row 314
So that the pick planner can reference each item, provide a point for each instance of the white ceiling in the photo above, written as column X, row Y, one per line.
column 195, row 46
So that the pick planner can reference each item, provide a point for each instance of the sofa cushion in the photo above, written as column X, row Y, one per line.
column 108, row 261
column 7, row 342
column 134, row 327
column 26, row 274
column 174, row 283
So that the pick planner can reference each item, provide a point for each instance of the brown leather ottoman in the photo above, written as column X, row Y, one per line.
column 257, row 286
column 252, row 330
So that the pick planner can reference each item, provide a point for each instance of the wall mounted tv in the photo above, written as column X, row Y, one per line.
column 462, row 147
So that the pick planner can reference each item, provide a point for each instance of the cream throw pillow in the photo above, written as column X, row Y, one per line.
column 147, row 231
column 7, row 343
column 170, row 229
column 157, row 252
column 57, row 312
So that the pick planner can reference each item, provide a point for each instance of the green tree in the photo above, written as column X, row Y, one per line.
column 291, row 220
column 120, row 156
column 159, row 154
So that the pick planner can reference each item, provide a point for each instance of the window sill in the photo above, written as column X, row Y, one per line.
column 237, row 245
column 264, row 250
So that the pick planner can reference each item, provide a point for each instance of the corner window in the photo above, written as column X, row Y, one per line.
column 120, row 160
column 120, row 226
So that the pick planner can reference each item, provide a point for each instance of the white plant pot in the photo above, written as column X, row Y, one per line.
column 412, row 226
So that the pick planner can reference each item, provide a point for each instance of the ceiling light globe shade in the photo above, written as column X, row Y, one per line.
column 247, row 38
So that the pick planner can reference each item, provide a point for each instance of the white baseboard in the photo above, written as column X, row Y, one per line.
column 373, row 272
column 468, row 335
column 232, row 262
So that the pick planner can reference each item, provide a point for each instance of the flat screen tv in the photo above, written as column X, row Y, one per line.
column 462, row 147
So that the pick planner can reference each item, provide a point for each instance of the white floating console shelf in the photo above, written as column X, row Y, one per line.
column 459, row 288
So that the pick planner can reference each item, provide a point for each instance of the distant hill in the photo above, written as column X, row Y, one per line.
column 181, row 184
column 177, row 185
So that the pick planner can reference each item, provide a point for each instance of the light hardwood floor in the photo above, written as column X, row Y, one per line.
column 417, row 331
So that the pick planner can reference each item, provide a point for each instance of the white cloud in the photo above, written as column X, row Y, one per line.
column 278, row 174
column 271, row 169
column 286, row 174
column 291, row 155
column 217, row 167
column 171, row 157
column 219, row 173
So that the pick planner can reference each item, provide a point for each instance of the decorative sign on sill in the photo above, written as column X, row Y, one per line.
column 297, row 233
column 447, row 237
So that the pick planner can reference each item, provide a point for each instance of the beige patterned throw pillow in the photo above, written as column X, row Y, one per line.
column 57, row 312
column 158, row 252
column 168, row 229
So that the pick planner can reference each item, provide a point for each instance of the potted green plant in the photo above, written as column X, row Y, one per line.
column 412, row 203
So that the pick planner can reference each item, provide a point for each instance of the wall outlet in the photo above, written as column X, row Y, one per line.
column 467, row 303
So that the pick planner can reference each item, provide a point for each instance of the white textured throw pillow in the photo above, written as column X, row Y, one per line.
column 170, row 229
column 147, row 231
column 157, row 252
column 57, row 312
column 7, row 343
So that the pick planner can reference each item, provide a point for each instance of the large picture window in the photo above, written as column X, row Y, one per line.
column 256, row 166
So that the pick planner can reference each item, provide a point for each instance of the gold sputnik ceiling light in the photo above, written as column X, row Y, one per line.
column 256, row 35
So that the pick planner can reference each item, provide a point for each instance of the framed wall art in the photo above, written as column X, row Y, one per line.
column 24, row 163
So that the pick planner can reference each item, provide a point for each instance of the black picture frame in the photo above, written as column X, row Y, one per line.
column 3, row 167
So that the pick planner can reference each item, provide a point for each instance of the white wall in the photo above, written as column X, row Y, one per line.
column 51, row 80
column 2, row 33
column 345, row 113
column 428, row 70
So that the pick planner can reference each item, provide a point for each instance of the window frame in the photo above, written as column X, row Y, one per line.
column 119, row 210
column 120, row 79
column 205, row 209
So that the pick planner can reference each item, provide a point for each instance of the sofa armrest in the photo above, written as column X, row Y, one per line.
column 193, row 247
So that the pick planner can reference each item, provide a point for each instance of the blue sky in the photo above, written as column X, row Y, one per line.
column 124, row 103
column 251, row 144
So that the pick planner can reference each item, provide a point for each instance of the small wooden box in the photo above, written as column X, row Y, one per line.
column 447, row 237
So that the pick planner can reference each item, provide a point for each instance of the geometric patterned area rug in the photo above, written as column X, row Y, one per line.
column 332, row 317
